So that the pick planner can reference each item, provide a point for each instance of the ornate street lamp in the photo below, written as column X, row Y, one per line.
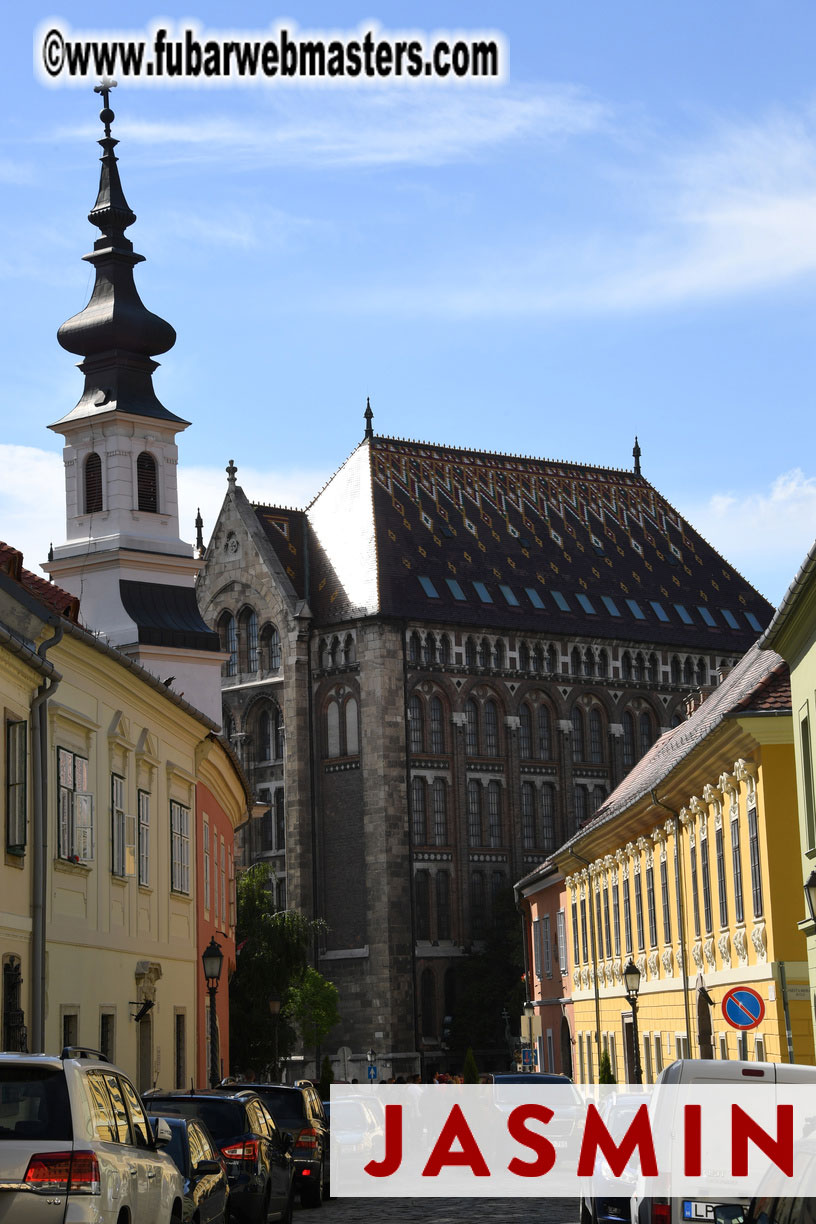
column 810, row 895
column 631, row 980
column 212, row 959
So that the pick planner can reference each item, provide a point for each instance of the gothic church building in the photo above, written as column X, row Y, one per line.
column 436, row 673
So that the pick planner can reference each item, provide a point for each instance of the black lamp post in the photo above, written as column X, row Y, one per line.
column 274, row 1011
column 213, row 959
column 810, row 895
column 631, row 979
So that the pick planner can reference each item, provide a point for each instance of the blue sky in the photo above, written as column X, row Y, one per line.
column 618, row 239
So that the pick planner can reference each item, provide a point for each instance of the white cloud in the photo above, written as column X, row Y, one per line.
column 367, row 128
column 766, row 533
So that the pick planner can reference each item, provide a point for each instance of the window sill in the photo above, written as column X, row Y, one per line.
column 71, row 868
column 146, row 890
column 180, row 896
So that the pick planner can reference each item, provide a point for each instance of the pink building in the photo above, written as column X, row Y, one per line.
column 548, row 961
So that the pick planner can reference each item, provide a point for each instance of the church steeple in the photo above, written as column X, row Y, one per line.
column 116, row 334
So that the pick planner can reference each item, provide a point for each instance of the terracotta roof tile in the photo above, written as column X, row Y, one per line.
column 54, row 597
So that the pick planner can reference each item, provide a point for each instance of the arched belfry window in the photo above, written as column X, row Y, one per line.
column 147, row 484
column 93, row 484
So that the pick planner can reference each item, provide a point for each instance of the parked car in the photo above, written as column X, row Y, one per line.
column 75, row 1143
column 260, row 1168
column 782, row 1203
column 298, row 1110
column 204, row 1169
column 605, row 1204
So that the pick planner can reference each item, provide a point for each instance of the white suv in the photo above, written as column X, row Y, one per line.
column 76, row 1146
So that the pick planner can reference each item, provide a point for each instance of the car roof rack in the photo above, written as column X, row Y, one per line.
column 75, row 1051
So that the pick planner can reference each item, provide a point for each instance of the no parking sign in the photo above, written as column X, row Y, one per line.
column 743, row 1007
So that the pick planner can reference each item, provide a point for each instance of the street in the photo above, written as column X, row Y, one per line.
column 448, row 1211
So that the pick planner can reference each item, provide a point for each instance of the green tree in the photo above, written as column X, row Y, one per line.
column 605, row 1075
column 470, row 1072
column 312, row 1007
column 274, row 948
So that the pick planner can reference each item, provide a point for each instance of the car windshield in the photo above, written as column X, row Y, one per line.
column 284, row 1104
column 34, row 1103
column 223, row 1119
column 350, row 1116
column 176, row 1148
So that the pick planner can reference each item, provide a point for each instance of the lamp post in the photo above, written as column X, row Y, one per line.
column 631, row 979
column 212, row 959
column 274, row 1011
column 810, row 895
column 529, row 1011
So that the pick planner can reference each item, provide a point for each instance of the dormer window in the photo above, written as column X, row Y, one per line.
column 93, row 484
column 147, row 483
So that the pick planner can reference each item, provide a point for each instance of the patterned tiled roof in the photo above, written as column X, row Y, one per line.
column 53, row 596
column 284, row 530
column 479, row 539
column 759, row 684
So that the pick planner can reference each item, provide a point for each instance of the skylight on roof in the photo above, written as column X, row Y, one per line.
column 730, row 619
column 534, row 597
column 658, row 609
column 752, row 621
column 684, row 614
column 706, row 615
column 428, row 587
column 636, row 610
column 509, row 595
column 610, row 605
column 455, row 590
column 585, row 603
column 561, row 601
column 483, row 593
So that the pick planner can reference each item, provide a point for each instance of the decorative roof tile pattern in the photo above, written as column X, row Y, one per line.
column 11, row 563
column 760, row 683
column 559, row 547
column 284, row 528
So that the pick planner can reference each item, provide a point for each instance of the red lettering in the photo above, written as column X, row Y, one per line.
column 456, row 1130
column 545, row 1152
column 392, row 1159
column 692, row 1159
column 596, row 1136
column 779, row 1150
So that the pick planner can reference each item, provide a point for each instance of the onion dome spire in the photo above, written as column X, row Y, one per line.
column 116, row 334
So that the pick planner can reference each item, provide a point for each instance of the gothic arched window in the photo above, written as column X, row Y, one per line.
column 147, row 485
column 494, row 830
column 544, row 734
column 628, row 740
column 419, row 828
column 491, row 728
column 528, row 813
column 248, row 623
column 443, row 930
column 578, row 749
column 437, row 726
column 93, row 484
column 548, row 816
column 470, row 653
column 525, row 733
column 596, row 753
column 271, row 648
column 472, row 728
column 474, row 812
column 646, row 733
column 423, row 905
column 485, row 653
column 524, row 657
column 228, row 636
column 416, row 724
column 439, row 799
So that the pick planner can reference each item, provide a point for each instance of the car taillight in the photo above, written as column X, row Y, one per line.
column 247, row 1150
column 661, row 1213
column 307, row 1138
column 64, row 1173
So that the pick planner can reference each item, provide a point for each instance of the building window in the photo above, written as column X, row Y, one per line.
column 180, row 1050
column 474, row 812
column 179, row 848
column 249, row 639
column 93, row 484
column 577, row 735
column 422, row 893
column 639, row 914
column 595, row 737
column 445, row 649
column 548, row 817
column 478, row 914
column 695, row 899
column 724, row 1046
column 576, row 954
column 143, row 799
column 228, row 636
column 756, row 874
column 524, row 657
column 270, row 648
column 537, row 951
column 414, row 648
column 107, row 1035
column 664, row 896
column 706, row 874
column 485, row 653
column 546, row 946
column 223, row 886
column 418, row 822
column 807, row 778
column 119, row 847
column 736, row 859
column 720, row 850
column 437, row 726
column 280, row 820
column 470, row 653
column 471, row 729
column 16, row 803
column 580, row 805
column 205, row 841
column 584, row 932
column 646, row 734
column 147, row 483
column 76, row 824
column 528, row 815
column 628, row 740
column 627, row 916
column 416, row 724
column 439, row 798
column 443, row 905
column 428, row 1004
column 607, row 924
column 650, row 902
column 561, row 936
column 14, row 1033
column 491, row 729
column 544, row 734
column 494, row 829
column 525, row 733
column 759, row 1048
column 616, row 925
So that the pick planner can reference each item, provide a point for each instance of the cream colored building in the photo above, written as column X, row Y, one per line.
column 792, row 633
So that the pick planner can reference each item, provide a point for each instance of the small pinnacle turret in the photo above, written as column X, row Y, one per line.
column 636, row 454
column 369, row 417
column 232, row 472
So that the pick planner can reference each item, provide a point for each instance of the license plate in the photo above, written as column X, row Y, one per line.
column 693, row 1210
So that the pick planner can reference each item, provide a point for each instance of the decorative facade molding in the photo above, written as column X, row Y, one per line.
column 760, row 941
column 724, row 944
column 710, row 954
column 668, row 962
column 741, row 945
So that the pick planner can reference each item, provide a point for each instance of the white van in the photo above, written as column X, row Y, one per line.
column 648, row 1210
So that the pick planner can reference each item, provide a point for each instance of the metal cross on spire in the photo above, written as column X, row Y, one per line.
column 106, row 114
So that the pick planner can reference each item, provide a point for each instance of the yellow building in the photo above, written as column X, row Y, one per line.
column 98, row 886
column 687, row 870
column 792, row 633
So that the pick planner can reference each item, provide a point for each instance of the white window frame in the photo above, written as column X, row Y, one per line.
column 561, row 928
column 205, row 838
column 143, row 801
column 537, row 948
column 546, row 946
column 75, row 808
column 179, row 848
column 223, row 926
column 16, row 789
column 723, row 1043
column 658, row 1053
column 759, row 1048
column 123, row 832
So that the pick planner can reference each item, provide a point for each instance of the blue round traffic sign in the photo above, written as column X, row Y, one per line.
column 743, row 1007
